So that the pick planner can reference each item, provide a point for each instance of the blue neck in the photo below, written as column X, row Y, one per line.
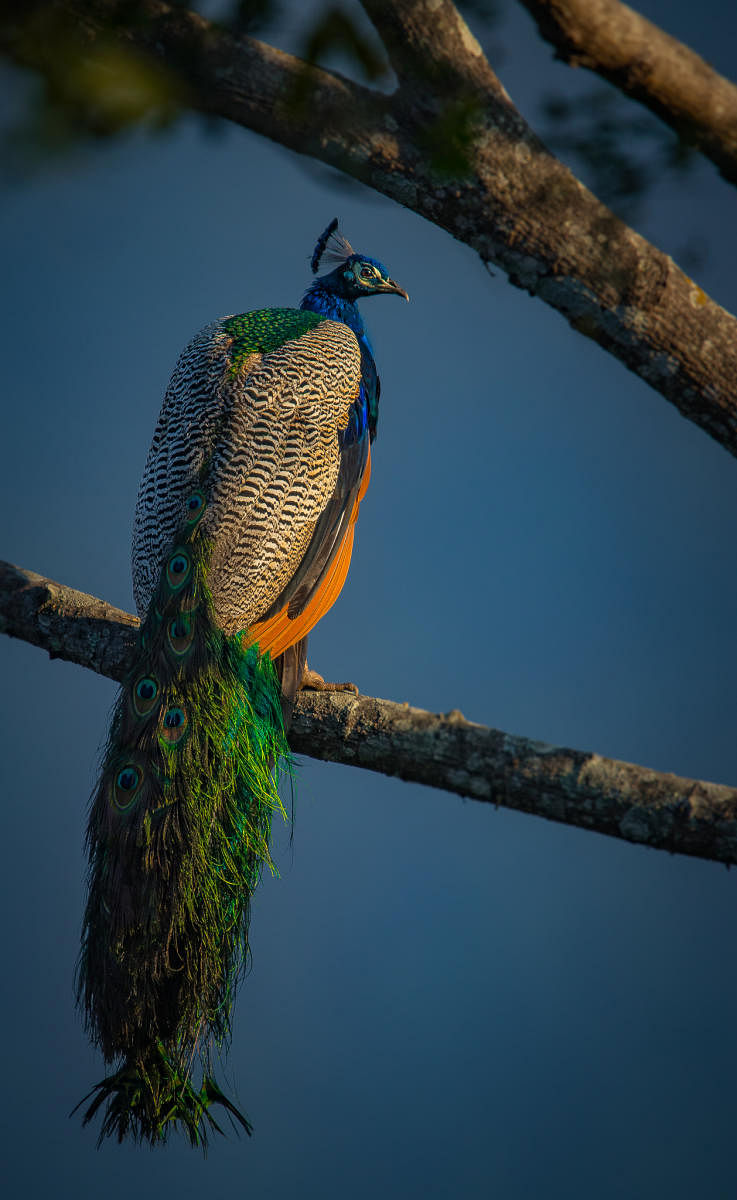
column 323, row 300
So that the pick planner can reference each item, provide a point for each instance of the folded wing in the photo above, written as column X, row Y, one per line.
column 265, row 414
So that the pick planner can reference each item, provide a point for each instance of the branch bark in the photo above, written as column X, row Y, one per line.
column 649, row 65
column 515, row 204
column 440, row 750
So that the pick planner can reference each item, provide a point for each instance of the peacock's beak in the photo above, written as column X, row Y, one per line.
column 390, row 286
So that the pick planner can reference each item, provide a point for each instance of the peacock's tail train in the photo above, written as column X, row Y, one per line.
column 177, row 836
column 148, row 1097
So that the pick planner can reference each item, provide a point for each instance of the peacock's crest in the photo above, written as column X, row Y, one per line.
column 331, row 246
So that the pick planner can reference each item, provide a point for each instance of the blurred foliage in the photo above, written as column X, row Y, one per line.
column 335, row 35
column 108, row 89
column 88, row 89
column 84, row 90
column 448, row 140
column 618, row 148
column 250, row 16
column 335, row 30
column 91, row 89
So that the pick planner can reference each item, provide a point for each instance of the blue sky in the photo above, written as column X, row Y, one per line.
column 446, row 999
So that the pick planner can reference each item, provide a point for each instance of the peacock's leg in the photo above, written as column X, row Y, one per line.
column 314, row 682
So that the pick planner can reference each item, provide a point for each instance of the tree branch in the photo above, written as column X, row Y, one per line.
column 445, row 751
column 514, row 202
column 425, row 43
column 650, row 66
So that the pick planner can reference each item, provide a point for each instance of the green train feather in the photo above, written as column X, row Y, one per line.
column 178, row 834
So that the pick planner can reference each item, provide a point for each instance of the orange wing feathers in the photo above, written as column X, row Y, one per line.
column 280, row 632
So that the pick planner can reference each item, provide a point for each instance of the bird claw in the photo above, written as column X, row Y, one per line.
column 312, row 681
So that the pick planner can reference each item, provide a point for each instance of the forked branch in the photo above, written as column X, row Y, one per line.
column 510, row 199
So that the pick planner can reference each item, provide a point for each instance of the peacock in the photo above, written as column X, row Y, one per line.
column 242, row 539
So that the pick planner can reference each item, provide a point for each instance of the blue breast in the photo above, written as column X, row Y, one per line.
column 365, row 412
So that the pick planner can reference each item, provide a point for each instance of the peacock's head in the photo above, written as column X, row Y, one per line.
column 355, row 275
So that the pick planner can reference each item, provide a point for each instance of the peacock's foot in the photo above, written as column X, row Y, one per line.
column 314, row 682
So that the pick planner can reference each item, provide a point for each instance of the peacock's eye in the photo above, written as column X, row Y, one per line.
column 145, row 693
column 146, row 689
column 367, row 272
column 173, row 718
column 195, row 506
column 178, row 569
column 173, row 726
column 127, row 785
column 180, row 634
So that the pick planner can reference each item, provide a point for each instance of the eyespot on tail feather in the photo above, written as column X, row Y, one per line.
column 192, row 768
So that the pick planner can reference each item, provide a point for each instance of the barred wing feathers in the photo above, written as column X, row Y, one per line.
column 256, row 419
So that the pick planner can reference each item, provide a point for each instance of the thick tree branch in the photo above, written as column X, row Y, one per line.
column 69, row 624
column 514, row 203
column 651, row 66
column 444, row 751
column 429, row 41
